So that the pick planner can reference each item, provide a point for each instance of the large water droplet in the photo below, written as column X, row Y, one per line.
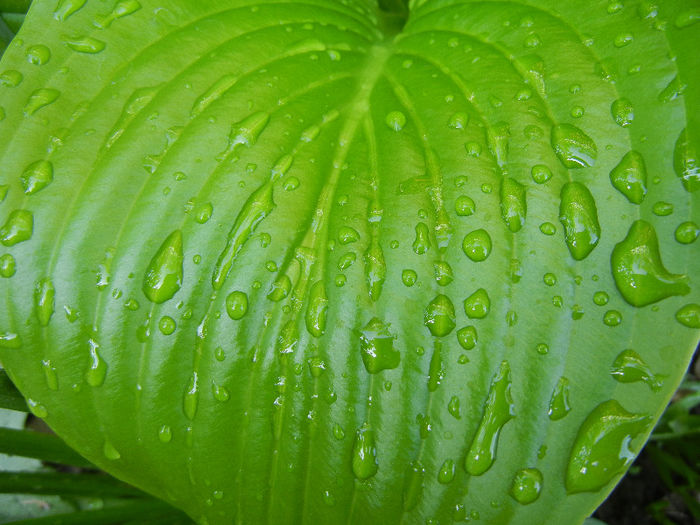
column 377, row 347
column 622, row 112
column 559, row 403
column 440, row 316
column 477, row 245
column 84, row 44
column 280, row 288
column 629, row 177
column 364, row 453
column 8, row 266
column 526, row 487
column 317, row 310
column 447, row 472
column 574, row 148
column 37, row 176
column 464, row 206
column 629, row 367
column 245, row 133
column 477, row 305
column 601, row 450
column 422, row 241
column 236, row 305
column 685, row 162
column 164, row 274
column 96, row 373
column 639, row 273
column 40, row 98
column 18, row 227
column 513, row 204
column 499, row 409
column 66, row 8
column 44, row 294
column 579, row 215
column 689, row 315
column 38, row 54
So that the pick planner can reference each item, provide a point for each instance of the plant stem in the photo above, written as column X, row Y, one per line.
column 60, row 484
column 46, row 447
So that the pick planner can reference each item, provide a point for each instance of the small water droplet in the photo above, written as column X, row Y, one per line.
column 236, row 305
column 443, row 273
column 413, row 485
column 639, row 273
column 84, row 44
column 8, row 266
column 687, row 232
column 121, row 9
column 243, row 133
column 167, row 325
column 685, row 162
column 574, row 148
column 513, row 204
column 96, row 373
column 498, row 410
column 163, row 276
column 629, row 367
column 395, row 120
column 689, row 315
column 579, row 215
column 477, row 245
column 280, row 288
column 377, row 347
column 10, row 340
column 11, row 78
column 220, row 392
column 50, row 374
column 317, row 310
column 687, row 18
column 526, row 486
column 347, row 235
column 110, row 452
column 165, row 434
column 623, row 39
column 549, row 279
column 473, row 149
column 66, row 8
column 601, row 450
column 629, row 177
column 422, row 242
column 453, row 407
column 464, row 206
column 612, row 318
column 203, row 213
column 662, row 209
column 459, row 120
column 447, row 472
column 477, row 305
column 559, row 403
column 548, row 228
column 409, row 277
column 37, row 408
column 622, row 112
column 540, row 173
column 38, row 55
column 40, row 98
column 191, row 398
column 601, row 298
column 364, row 453
column 44, row 294
column 672, row 91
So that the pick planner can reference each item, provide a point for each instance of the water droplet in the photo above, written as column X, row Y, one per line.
column 346, row 261
column 18, row 228
column 396, row 120
column 422, row 241
column 498, row 410
column 612, row 318
column 375, row 269
column 280, row 288
column 540, row 173
column 37, row 176
column 164, row 273
column 10, row 340
column 477, row 305
column 110, row 452
column 364, row 453
column 66, row 8
column 338, row 432
column 413, row 485
column 8, row 267
column 548, row 228
column 436, row 371
column 689, row 315
column 600, row 298
column 37, row 408
column 687, row 232
column 317, row 310
column 220, row 392
column 513, row 204
column 549, row 279
column 672, row 91
column 685, row 162
column 236, row 305
column 687, row 18
column 328, row 498
column 574, row 148
column 443, row 273
column 467, row 337
column 44, row 294
column 629, row 367
column 347, row 235
column 447, row 472
column 601, row 450
column 662, row 209
column 291, row 183
column 40, row 98
column 477, row 245
column 340, row 280
column 629, row 177
column 167, row 325
column 11, row 78
column 459, row 120
column 204, row 213
column 473, row 149
column 84, row 44
column 526, row 487
column 559, row 403
column 121, row 9
column 453, row 407
column 377, row 347
column 165, row 434
column 409, row 277
column 579, row 215
column 96, row 373
column 243, row 133
column 38, row 55
column 639, row 273
column 464, row 206
column 623, row 39
column 191, row 398
column 622, row 112
column 50, row 374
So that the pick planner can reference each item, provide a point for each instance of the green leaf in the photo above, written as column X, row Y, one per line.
column 46, row 447
column 97, row 485
column 10, row 397
column 315, row 262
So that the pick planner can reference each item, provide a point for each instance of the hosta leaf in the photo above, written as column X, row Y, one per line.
column 292, row 262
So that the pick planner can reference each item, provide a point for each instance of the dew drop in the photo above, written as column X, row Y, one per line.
column 579, row 215
column 422, row 241
column 622, row 112
column 477, row 245
column 38, row 55
column 280, row 288
column 447, row 472
column 165, row 434
column 204, row 213
column 689, row 315
column 8, row 266
column 685, row 162
column 629, row 367
column 395, row 120
column 443, row 273
column 574, row 148
column 236, row 305
column 110, row 452
column 37, row 408
column 559, row 403
column 10, row 340
column 629, row 177
column 464, row 206
column 96, row 373
column 44, row 294
column 163, row 276
column 409, row 277
column 317, row 310
column 548, row 228
column 687, row 232
column 612, row 318
column 601, row 450
column 37, row 176
column 498, row 410
column 513, row 204
column 167, row 325
column 549, row 279
column 638, row 271
column 84, row 44
column 377, row 347
column 526, row 486
column 477, row 305
column 364, row 453
column 540, row 173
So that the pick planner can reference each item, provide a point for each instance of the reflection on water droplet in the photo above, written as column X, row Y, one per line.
column 579, row 215
column 467, row 337
column 396, row 120
column 513, row 204
column 622, row 112
column 477, row 305
column 689, row 315
column 639, row 273
column 236, row 305
column 447, row 472
column 559, row 403
column 44, row 293
column 685, row 162
column 37, row 176
column 629, row 367
column 574, row 148
column 601, row 450
column 8, row 266
column 629, row 177
column 477, row 245
column 317, row 310
column 377, row 347
column 95, row 375
column 526, row 487
column 163, row 276
column 464, row 206
column 165, row 434
column 364, row 453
